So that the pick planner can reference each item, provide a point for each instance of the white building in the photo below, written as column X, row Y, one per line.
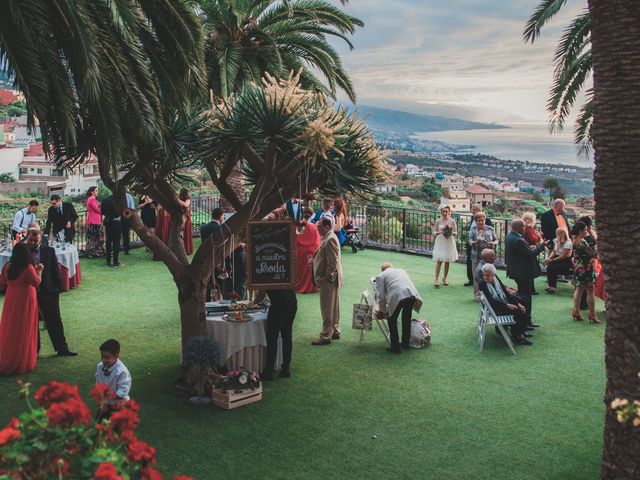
column 457, row 201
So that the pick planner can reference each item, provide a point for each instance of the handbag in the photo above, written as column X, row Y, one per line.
column 420, row 334
column 362, row 316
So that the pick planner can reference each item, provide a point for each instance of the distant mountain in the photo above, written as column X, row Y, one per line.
column 405, row 122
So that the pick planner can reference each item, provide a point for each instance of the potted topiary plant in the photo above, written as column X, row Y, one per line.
column 201, row 357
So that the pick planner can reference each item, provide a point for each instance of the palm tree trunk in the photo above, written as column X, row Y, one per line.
column 616, row 133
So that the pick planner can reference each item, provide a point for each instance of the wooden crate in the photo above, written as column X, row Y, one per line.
column 230, row 399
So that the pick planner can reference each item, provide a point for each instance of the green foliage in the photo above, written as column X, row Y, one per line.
column 202, row 351
column 384, row 229
column 247, row 39
column 17, row 109
column 432, row 190
column 537, row 196
column 7, row 178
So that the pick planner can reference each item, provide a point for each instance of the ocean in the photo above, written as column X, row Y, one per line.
column 525, row 142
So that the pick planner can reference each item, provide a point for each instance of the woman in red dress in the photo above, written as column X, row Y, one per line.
column 163, row 221
column 184, row 198
column 307, row 244
column 19, row 323
column 532, row 238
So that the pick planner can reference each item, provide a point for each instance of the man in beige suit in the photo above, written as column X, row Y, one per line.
column 327, row 273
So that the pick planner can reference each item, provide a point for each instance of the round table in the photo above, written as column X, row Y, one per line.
column 244, row 344
column 68, row 264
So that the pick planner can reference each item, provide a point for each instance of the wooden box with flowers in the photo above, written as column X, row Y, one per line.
column 237, row 389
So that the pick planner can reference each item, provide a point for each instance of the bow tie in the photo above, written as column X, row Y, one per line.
column 106, row 371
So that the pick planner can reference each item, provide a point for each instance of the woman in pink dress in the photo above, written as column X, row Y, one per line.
column 19, row 323
column 307, row 244
column 95, row 237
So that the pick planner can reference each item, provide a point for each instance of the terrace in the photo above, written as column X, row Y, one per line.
column 351, row 410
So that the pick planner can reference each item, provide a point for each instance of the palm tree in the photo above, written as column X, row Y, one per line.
column 247, row 38
column 573, row 68
column 97, row 74
column 616, row 114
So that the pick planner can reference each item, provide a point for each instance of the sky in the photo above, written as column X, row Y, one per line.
column 464, row 53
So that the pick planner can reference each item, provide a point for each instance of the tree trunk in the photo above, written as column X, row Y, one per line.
column 236, row 181
column 191, row 297
column 616, row 133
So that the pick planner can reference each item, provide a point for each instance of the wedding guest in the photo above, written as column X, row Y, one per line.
column 559, row 262
column 49, row 293
column 444, row 248
column 553, row 219
column 147, row 209
column 591, row 239
column 184, row 199
column 533, row 238
column 340, row 218
column 95, row 237
column 19, row 322
column 486, row 256
column 327, row 271
column 23, row 218
column 475, row 208
column 397, row 294
column 294, row 208
column 280, row 317
column 307, row 244
column 206, row 230
column 163, row 222
column 115, row 375
column 584, row 276
column 113, row 226
column 325, row 211
column 61, row 217
column 126, row 226
column 504, row 303
column 481, row 236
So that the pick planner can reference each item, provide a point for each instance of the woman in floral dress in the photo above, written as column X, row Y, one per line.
column 584, row 275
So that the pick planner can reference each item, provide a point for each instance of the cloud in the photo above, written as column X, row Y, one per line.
column 464, row 52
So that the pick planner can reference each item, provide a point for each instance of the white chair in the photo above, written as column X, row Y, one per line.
column 488, row 317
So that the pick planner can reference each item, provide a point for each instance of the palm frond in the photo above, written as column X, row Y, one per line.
column 541, row 15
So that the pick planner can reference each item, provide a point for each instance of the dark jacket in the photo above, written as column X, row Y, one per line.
column 500, row 308
column 108, row 209
column 549, row 224
column 521, row 259
column 209, row 229
column 298, row 215
column 50, row 282
column 59, row 221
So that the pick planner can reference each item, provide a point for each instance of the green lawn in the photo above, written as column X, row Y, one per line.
column 446, row 412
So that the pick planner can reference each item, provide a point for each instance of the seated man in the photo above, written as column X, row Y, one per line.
column 504, row 303
column 396, row 292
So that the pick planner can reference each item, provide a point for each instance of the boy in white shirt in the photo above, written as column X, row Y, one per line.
column 113, row 373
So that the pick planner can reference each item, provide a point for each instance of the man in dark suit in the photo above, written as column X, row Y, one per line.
column 294, row 209
column 552, row 219
column 475, row 208
column 521, row 260
column 49, row 293
column 113, row 228
column 62, row 217
column 208, row 229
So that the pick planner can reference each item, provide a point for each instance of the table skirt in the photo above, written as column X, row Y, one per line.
column 69, row 283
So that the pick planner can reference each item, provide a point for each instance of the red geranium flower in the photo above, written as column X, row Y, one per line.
column 70, row 412
column 106, row 471
column 142, row 452
column 151, row 473
column 13, row 423
column 124, row 419
column 106, row 429
column 101, row 393
column 127, row 437
column 8, row 434
column 54, row 392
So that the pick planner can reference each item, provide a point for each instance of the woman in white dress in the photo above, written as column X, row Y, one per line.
column 444, row 248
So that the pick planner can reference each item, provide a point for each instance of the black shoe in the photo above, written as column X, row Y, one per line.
column 468, row 284
column 528, row 334
column 534, row 325
column 395, row 349
column 521, row 341
column 535, row 293
column 67, row 353
column 285, row 372
column 266, row 376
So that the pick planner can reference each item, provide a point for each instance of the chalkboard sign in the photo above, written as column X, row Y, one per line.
column 270, row 255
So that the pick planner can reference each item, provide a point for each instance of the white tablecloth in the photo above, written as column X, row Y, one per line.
column 68, row 258
column 243, row 343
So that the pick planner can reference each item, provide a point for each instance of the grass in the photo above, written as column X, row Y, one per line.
column 446, row 412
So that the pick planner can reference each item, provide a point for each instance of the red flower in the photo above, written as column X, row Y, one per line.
column 55, row 392
column 8, row 434
column 233, row 295
column 151, row 473
column 60, row 466
column 127, row 437
column 124, row 420
column 106, row 471
column 142, row 452
column 106, row 429
column 100, row 393
column 13, row 423
column 70, row 412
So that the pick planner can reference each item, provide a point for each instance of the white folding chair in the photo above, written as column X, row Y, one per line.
column 488, row 317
